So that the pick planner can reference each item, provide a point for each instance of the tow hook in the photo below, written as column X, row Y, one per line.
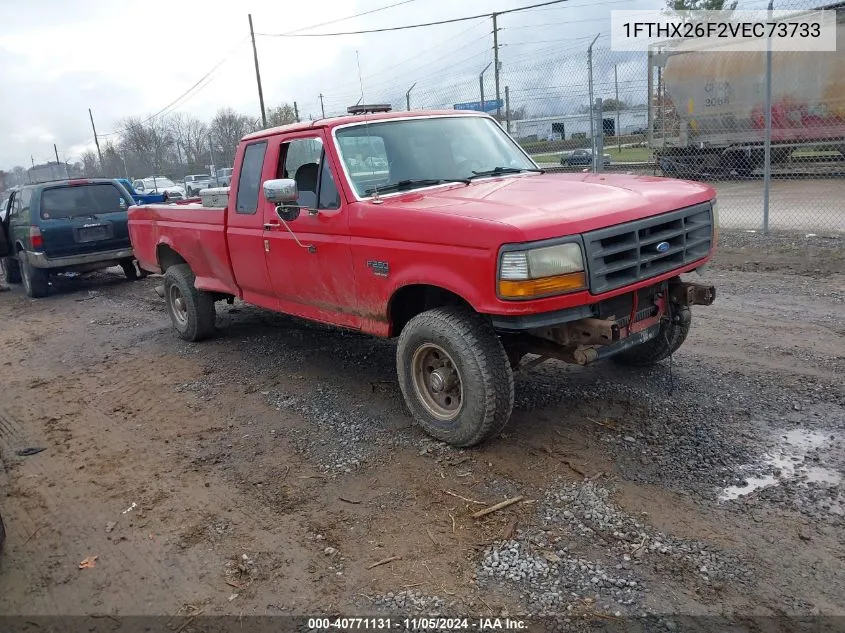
column 692, row 294
column 160, row 291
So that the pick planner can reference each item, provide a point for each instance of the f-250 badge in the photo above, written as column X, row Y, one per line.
column 380, row 269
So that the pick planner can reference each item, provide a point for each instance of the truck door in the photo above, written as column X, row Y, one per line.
column 244, row 232
column 314, row 277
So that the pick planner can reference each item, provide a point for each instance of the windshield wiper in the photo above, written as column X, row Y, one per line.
column 496, row 171
column 413, row 182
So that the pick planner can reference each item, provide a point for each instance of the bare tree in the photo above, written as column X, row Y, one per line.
column 150, row 141
column 227, row 129
column 89, row 164
column 283, row 114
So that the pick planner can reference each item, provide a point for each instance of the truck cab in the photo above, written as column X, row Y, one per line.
column 437, row 229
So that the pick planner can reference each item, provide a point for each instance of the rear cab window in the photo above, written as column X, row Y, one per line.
column 81, row 201
column 249, row 181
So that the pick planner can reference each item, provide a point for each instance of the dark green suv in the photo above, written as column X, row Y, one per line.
column 65, row 226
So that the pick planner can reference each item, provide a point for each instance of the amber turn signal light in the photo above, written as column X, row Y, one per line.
column 545, row 286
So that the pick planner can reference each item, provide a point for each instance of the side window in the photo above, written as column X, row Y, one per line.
column 25, row 200
column 329, row 196
column 249, row 183
column 302, row 163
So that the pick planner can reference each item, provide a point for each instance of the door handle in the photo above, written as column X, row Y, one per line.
column 269, row 226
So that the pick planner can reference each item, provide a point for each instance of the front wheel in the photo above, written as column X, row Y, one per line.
column 36, row 282
column 672, row 334
column 455, row 376
column 191, row 311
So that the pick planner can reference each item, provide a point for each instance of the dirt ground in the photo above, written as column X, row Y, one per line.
column 267, row 470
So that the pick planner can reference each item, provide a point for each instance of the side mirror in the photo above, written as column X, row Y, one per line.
column 288, row 214
column 282, row 191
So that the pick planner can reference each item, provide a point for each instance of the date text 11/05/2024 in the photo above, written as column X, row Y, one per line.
column 417, row 624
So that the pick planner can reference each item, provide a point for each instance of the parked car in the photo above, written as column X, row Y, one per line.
column 471, row 260
column 62, row 226
column 160, row 184
column 196, row 182
column 142, row 198
column 224, row 177
column 582, row 157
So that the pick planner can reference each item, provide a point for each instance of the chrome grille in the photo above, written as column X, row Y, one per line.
column 627, row 253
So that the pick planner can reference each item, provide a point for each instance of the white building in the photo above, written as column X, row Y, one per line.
column 567, row 126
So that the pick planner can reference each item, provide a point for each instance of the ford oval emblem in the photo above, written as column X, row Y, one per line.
column 662, row 247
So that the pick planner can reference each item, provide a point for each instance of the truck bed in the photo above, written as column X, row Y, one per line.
column 200, row 233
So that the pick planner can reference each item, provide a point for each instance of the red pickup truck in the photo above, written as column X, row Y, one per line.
column 437, row 228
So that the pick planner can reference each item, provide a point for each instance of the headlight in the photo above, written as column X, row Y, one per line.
column 541, row 272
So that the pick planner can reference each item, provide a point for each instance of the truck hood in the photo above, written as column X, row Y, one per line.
column 549, row 205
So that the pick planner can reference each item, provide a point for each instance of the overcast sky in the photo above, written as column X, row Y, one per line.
column 134, row 57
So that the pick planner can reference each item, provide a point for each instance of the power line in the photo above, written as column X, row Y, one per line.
column 414, row 26
column 348, row 17
column 201, row 79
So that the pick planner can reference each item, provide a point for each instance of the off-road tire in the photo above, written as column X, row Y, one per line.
column 11, row 270
column 197, row 320
column 483, row 366
column 129, row 270
column 36, row 282
column 673, row 332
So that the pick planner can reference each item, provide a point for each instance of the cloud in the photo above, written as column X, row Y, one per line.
column 132, row 58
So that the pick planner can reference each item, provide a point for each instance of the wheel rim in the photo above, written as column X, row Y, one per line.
column 437, row 382
column 177, row 304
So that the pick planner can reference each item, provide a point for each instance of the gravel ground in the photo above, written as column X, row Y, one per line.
column 276, row 470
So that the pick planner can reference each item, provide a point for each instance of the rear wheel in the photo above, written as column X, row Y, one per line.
column 671, row 336
column 11, row 270
column 455, row 376
column 191, row 311
column 36, row 282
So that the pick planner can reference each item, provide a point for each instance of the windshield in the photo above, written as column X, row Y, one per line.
column 149, row 183
column 426, row 151
column 81, row 200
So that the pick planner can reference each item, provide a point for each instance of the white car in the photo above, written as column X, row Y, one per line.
column 196, row 183
column 160, row 184
column 224, row 177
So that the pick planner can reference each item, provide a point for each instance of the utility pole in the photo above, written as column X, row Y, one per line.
column 618, row 131
column 408, row 97
column 32, row 158
column 257, row 73
column 322, row 107
column 598, row 155
column 496, row 66
column 767, row 144
column 296, row 111
column 508, row 109
column 96, row 140
column 592, row 113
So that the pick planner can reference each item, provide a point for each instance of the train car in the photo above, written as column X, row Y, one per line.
column 707, row 118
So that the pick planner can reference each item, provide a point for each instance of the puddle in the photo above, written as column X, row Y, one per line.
column 789, row 459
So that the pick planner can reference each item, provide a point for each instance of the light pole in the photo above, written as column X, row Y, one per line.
column 481, row 85
column 408, row 96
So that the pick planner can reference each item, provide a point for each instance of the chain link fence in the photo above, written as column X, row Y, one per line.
column 674, row 112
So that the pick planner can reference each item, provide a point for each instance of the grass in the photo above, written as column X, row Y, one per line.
column 627, row 155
